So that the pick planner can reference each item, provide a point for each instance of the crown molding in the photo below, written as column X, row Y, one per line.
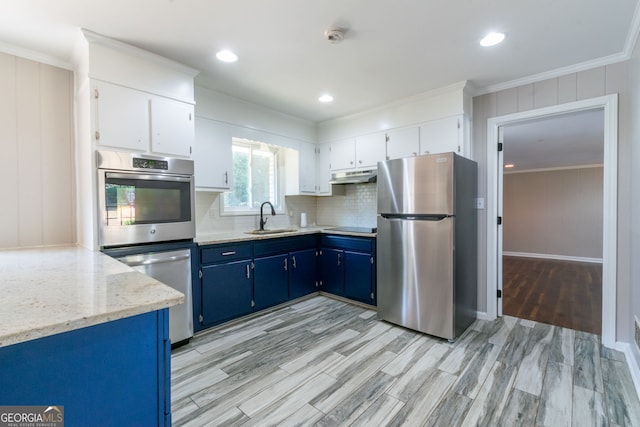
column 35, row 56
column 135, row 51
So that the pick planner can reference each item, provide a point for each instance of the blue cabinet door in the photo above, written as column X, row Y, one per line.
column 332, row 271
column 302, row 273
column 111, row 374
column 358, row 273
column 226, row 291
column 270, row 281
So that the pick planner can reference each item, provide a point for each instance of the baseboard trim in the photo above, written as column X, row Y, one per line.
column 555, row 257
column 483, row 315
column 632, row 363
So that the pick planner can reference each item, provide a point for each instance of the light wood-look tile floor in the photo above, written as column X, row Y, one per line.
column 328, row 363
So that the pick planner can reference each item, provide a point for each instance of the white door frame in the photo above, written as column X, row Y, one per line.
column 610, row 203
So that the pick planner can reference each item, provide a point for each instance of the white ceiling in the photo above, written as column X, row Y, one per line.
column 565, row 140
column 392, row 49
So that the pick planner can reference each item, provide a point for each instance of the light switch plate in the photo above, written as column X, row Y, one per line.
column 480, row 203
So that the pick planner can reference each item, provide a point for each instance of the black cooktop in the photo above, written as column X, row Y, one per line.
column 356, row 229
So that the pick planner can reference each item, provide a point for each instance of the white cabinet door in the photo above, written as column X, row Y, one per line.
column 370, row 149
column 403, row 143
column 342, row 155
column 441, row 136
column 172, row 129
column 323, row 171
column 212, row 155
column 121, row 118
column 307, row 171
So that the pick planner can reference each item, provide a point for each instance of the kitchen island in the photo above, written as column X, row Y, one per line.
column 85, row 332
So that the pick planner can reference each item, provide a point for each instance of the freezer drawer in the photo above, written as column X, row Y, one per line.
column 416, row 274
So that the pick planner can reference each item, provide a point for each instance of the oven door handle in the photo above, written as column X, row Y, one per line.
column 138, row 260
column 158, row 177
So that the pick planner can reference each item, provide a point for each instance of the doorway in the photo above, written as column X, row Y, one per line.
column 494, row 205
column 552, row 190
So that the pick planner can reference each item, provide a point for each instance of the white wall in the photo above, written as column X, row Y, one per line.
column 37, row 162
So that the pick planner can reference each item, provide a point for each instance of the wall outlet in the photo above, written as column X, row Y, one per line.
column 637, row 333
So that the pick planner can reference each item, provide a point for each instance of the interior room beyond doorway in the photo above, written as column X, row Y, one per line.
column 553, row 220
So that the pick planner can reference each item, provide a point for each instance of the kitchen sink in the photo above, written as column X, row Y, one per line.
column 274, row 231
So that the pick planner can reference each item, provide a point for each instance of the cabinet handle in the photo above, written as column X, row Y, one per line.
column 351, row 162
column 360, row 161
column 293, row 259
column 248, row 272
column 339, row 259
column 285, row 264
column 228, row 253
column 226, row 177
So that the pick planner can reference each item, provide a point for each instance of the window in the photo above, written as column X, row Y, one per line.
column 255, row 177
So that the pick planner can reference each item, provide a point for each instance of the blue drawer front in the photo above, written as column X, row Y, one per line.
column 224, row 253
column 284, row 245
column 362, row 244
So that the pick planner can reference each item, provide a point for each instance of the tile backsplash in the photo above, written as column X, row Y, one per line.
column 356, row 208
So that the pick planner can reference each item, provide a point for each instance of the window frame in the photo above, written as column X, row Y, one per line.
column 279, row 191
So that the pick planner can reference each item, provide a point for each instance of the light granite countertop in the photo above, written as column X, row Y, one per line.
column 46, row 291
column 242, row 236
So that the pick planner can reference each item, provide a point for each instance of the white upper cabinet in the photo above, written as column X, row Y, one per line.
column 121, row 117
column 212, row 155
column 172, row 127
column 370, row 149
column 323, row 170
column 300, row 165
column 342, row 155
column 307, row 171
column 403, row 143
column 134, row 120
column 441, row 136
column 359, row 153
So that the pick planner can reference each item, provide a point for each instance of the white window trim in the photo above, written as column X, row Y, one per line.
column 280, row 185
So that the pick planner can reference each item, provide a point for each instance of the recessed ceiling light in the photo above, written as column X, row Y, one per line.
column 326, row 98
column 510, row 165
column 226, row 55
column 492, row 39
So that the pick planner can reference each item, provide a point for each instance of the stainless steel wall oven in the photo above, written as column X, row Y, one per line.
column 144, row 199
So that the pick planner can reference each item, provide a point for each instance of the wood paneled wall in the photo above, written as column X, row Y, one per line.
column 595, row 82
column 37, row 155
column 554, row 213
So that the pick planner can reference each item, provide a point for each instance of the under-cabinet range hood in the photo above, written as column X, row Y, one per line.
column 354, row 177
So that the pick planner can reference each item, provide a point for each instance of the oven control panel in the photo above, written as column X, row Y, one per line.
column 141, row 163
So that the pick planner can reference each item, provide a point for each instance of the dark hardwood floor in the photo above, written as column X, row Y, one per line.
column 561, row 293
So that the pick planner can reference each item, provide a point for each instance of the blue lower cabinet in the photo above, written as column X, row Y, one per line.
column 227, row 291
column 270, row 281
column 302, row 273
column 332, row 271
column 358, row 274
column 112, row 374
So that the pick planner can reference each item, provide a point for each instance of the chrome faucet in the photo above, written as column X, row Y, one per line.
column 263, row 220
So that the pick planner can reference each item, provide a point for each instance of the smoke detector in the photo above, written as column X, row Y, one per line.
column 334, row 35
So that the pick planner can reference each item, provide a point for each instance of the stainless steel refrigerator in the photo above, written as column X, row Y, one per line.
column 427, row 243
